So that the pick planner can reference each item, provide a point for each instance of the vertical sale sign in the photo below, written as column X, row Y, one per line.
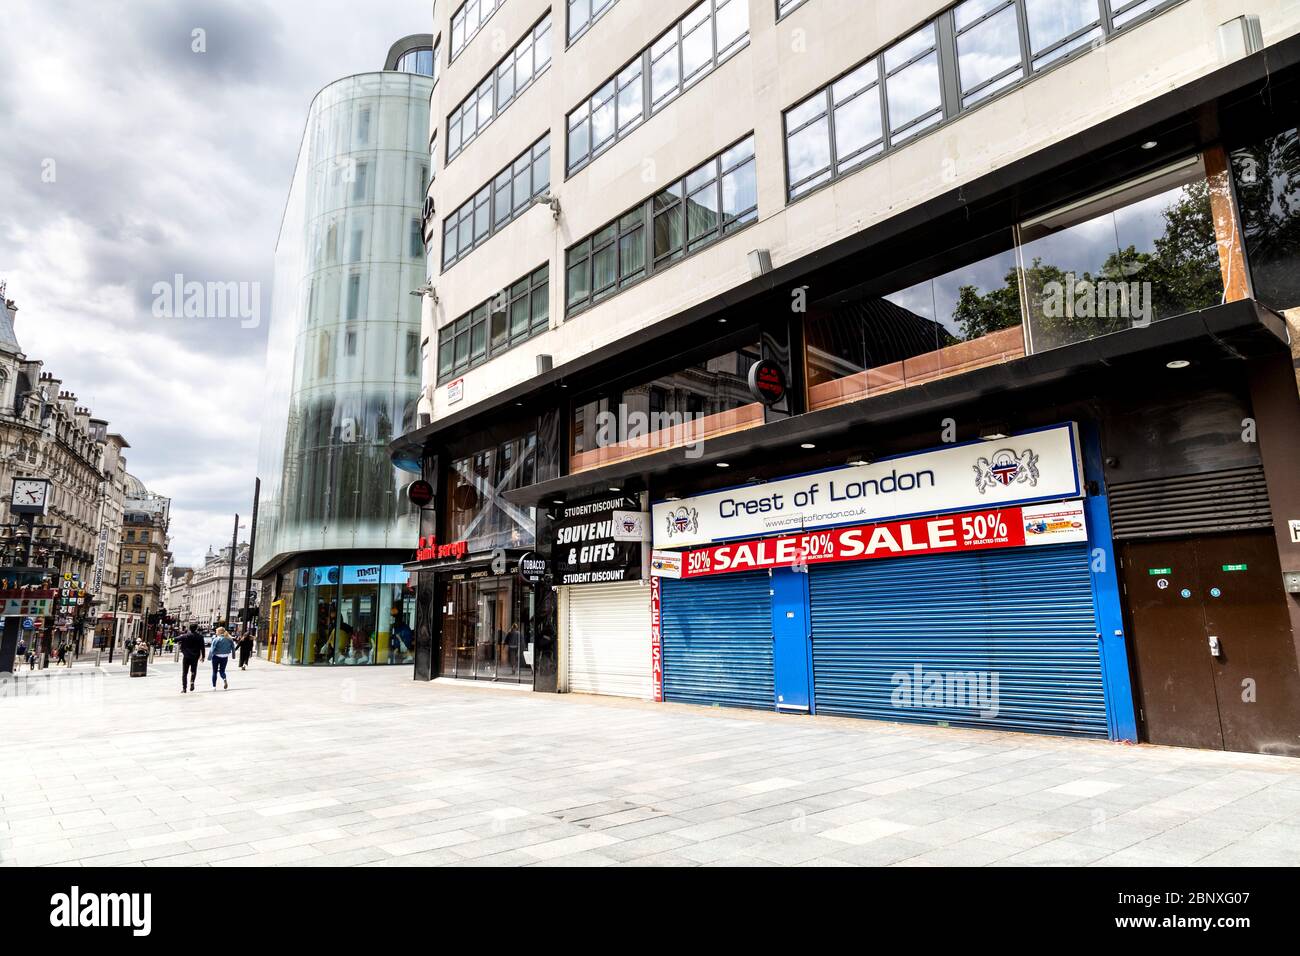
column 656, row 639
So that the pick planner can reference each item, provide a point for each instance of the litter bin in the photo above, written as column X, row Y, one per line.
column 139, row 663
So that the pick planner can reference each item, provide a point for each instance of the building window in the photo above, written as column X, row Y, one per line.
column 919, row 82
column 784, row 7
column 468, row 19
column 126, row 557
column 510, row 77
column 144, row 537
column 412, row 354
column 423, row 62
column 691, row 49
column 512, row 316
column 505, row 197
column 1139, row 253
column 691, row 404
column 584, row 13
column 139, row 581
column 415, row 235
column 708, row 203
column 143, row 557
column 1267, row 176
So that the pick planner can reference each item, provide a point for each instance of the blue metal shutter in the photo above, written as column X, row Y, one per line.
column 717, row 640
column 1026, row 616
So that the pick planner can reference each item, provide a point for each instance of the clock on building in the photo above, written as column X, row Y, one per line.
column 29, row 496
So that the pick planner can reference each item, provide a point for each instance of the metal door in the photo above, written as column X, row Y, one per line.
column 1216, row 663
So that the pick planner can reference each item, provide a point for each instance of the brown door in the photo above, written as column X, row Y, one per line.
column 1255, row 670
column 1216, row 667
column 1175, row 679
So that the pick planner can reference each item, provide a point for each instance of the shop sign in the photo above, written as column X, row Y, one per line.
column 995, row 528
column 1040, row 465
column 631, row 526
column 584, row 545
column 419, row 493
column 430, row 550
column 532, row 567
column 666, row 564
column 656, row 639
column 455, row 391
column 767, row 382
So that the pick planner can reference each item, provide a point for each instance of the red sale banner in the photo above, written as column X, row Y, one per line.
column 938, row 534
column 656, row 642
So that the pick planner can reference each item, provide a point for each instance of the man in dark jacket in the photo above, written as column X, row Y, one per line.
column 192, row 651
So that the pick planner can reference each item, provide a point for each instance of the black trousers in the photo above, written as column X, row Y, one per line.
column 190, row 667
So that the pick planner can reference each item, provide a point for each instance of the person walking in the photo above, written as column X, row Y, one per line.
column 192, row 651
column 222, row 648
column 245, row 650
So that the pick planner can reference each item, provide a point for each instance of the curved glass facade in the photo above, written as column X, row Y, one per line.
column 343, row 356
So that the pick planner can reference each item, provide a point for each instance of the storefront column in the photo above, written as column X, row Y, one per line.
column 1120, row 712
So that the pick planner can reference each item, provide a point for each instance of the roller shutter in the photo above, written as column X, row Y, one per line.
column 717, row 640
column 1025, row 617
column 609, row 640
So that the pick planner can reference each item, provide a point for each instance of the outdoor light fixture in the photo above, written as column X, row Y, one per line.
column 615, row 488
column 1178, row 363
column 1149, row 144
column 760, row 262
column 549, row 200
column 808, row 446
column 427, row 289
column 672, row 498
column 996, row 431
column 859, row 462
column 723, row 464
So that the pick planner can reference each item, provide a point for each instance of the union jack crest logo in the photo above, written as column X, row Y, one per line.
column 683, row 521
column 1004, row 467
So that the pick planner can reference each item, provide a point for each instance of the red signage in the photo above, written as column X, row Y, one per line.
column 656, row 642
column 936, row 534
column 419, row 493
column 430, row 550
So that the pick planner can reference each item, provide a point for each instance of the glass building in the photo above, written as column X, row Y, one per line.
column 343, row 371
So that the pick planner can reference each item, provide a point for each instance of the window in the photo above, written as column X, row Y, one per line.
column 424, row 62
column 510, row 317
column 144, row 537
column 584, row 13
column 412, row 354
column 416, row 234
column 468, row 19
column 503, row 84
column 787, row 6
column 918, row 82
column 144, row 557
column 126, row 557
column 691, row 49
column 714, row 200
column 139, row 582
column 506, row 196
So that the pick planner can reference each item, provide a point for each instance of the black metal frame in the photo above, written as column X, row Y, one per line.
column 465, row 325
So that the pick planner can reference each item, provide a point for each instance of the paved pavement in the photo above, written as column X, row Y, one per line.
column 341, row 767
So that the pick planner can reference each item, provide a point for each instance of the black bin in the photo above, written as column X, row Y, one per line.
column 139, row 663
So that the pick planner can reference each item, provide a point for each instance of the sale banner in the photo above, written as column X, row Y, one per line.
column 656, row 639
column 991, row 528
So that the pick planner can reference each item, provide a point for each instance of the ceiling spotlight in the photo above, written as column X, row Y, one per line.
column 808, row 445
column 672, row 498
column 615, row 488
column 1149, row 144
column 723, row 464
column 859, row 462
column 1178, row 363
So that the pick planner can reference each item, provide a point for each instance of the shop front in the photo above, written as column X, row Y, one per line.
column 959, row 586
column 342, row 614
column 604, row 598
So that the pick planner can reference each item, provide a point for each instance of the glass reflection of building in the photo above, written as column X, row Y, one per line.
column 343, row 370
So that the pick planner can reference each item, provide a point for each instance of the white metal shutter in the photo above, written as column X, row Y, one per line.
column 609, row 640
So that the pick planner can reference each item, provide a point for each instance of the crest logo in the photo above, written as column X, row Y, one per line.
column 1006, row 468
column 683, row 521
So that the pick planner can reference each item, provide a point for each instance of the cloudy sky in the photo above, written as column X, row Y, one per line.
column 125, row 158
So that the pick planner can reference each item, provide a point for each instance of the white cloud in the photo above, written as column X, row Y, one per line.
column 165, row 161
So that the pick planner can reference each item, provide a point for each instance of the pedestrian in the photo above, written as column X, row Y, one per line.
column 192, row 652
column 245, row 650
column 222, row 648
column 59, row 655
column 22, row 649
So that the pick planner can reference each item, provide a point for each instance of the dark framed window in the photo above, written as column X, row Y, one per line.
column 512, row 316
column 692, row 48
column 711, row 201
column 969, row 53
column 584, row 13
column 514, row 73
column 504, row 198
column 468, row 19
